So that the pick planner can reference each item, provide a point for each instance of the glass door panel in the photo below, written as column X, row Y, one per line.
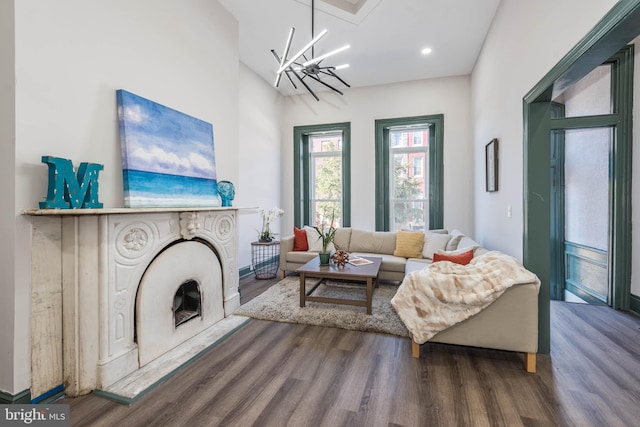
column 586, row 212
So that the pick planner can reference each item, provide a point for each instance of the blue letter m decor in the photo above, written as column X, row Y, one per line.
column 68, row 190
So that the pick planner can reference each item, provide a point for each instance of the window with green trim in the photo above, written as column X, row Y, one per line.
column 322, row 174
column 409, row 170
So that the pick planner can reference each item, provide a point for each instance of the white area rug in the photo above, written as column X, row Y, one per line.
column 281, row 303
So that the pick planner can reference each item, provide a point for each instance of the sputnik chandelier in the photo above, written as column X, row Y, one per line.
column 299, row 66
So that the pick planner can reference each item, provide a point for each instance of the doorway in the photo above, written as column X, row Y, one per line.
column 582, row 166
column 616, row 29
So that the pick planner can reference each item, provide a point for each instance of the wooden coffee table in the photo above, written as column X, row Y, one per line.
column 367, row 273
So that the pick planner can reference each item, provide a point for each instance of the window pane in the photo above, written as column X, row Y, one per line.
column 586, row 170
column 326, row 178
column 590, row 96
column 418, row 165
column 326, row 143
column 327, row 212
column 409, row 208
column 410, row 215
column 406, row 185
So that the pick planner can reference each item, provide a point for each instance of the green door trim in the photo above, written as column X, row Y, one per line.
column 585, row 122
column 557, row 208
column 301, row 208
column 620, row 182
column 618, row 27
column 436, row 168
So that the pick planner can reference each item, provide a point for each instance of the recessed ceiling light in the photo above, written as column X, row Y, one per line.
column 426, row 51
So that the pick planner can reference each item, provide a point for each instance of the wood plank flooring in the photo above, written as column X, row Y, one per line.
column 278, row 374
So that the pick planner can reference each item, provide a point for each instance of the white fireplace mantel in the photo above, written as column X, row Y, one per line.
column 112, row 211
column 99, row 257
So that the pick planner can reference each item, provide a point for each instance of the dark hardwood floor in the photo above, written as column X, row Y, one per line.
column 279, row 374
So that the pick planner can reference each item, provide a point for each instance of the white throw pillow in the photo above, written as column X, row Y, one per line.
column 460, row 251
column 314, row 241
column 456, row 236
column 434, row 242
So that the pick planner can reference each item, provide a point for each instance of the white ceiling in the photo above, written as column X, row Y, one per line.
column 386, row 36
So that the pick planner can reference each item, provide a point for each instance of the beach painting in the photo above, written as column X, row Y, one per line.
column 167, row 156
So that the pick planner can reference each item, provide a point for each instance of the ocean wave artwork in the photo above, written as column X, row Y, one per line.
column 168, row 157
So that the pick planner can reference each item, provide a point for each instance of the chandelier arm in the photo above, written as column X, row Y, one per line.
column 302, row 51
column 287, row 47
column 312, row 24
column 289, row 77
column 330, row 71
column 307, row 86
column 323, row 83
column 326, row 55
column 287, row 71
column 275, row 55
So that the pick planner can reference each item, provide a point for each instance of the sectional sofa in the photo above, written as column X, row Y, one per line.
column 376, row 243
column 510, row 323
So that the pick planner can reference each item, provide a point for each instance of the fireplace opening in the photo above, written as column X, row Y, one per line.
column 179, row 296
column 187, row 303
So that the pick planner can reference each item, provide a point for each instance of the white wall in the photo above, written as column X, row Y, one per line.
column 7, row 194
column 525, row 41
column 261, row 107
column 361, row 107
column 71, row 56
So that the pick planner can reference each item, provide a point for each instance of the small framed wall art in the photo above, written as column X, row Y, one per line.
column 491, row 157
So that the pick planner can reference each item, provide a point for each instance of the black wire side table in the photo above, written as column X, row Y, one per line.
column 265, row 259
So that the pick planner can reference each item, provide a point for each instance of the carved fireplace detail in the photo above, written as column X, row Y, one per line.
column 125, row 275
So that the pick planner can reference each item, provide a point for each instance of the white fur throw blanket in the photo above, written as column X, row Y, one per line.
column 444, row 293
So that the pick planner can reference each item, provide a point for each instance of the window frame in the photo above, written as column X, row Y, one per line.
column 302, row 171
column 436, row 168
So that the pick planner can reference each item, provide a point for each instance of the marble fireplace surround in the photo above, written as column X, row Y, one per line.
column 104, row 254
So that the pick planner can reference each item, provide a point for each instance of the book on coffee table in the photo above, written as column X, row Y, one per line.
column 359, row 261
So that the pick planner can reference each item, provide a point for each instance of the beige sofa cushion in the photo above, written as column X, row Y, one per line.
column 477, row 251
column 377, row 242
column 439, row 231
column 342, row 238
column 434, row 242
column 467, row 242
column 300, row 257
column 414, row 264
column 456, row 236
column 314, row 240
column 389, row 262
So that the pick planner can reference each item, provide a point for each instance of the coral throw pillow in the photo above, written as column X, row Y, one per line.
column 409, row 244
column 300, row 240
column 463, row 258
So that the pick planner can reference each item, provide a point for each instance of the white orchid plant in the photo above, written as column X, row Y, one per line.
column 265, row 234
